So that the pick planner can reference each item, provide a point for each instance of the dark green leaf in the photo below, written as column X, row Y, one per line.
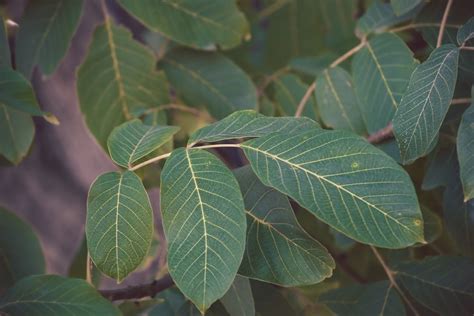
column 238, row 301
column 359, row 300
column 443, row 283
column 442, row 166
column 46, row 30
column 425, row 103
column 289, row 90
column 465, row 150
column 312, row 66
column 381, row 72
column 119, row 226
column 45, row 295
column 5, row 58
column 466, row 32
column 204, row 222
column 117, row 77
column 401, row 7
column 344, row 181
column 196, row 23
column 210, row 80
column 433, row 225
column 20, row 250
column 278, row 250
column 337, row 102
column 134, row 140
column 248, row 123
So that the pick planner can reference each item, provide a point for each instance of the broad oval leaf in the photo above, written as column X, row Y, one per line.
column 381, row 72
column 337, row 102
column 289, row 90
column 344, row 181
column 195, row 23
column 401, row 7
column 134, row 140
column 378, row 298
column 204, row 223
column 20, row 250
column 238, row 301
column 466, row 32
column 248, row 123
column 42, row 295
column 16, row 133
column 117, row 76
column 119, row 225
column 45, row 33
column 425, row 103
column 210, row 80
column 465, row 149
column 444, row 284
column 277, row 249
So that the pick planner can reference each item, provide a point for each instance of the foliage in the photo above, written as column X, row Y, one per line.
column 352, row 189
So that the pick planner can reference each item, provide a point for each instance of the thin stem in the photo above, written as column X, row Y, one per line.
column 164, row 156
column 461, row 101
column 391, row 277
column 139, row 291
column 269, row 79
column 277, row 5
column 381, row 135
column 466, row 48
column 89, row 269
column 443, row 23
column 419, row 25
column 304, row 100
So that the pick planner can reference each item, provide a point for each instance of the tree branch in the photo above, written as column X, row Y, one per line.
column 304, row 99
column 139, row 291
column 381, row 135
column 443, row 23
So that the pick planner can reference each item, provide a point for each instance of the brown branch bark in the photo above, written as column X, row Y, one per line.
column 381, row 135
column 139, row 291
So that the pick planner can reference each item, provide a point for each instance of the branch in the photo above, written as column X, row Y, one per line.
column 89, row 269
column 305, row 98
column 443, row 23
column 420, row 25
column 393, row 282
column 381, row 135
column 139, row 291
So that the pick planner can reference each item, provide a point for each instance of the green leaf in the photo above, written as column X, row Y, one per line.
column 311, row 65
column 42, row 295
column 5, row 55
column 175, row 304
column 248, row 123
column 289, row 90
column 401, row 7
column 195, row 23
column 378, row 298
column 425, row 103
column 442, row 165
column 16, row 133
column 337, row 102
column 381, row 16
column 381, row 72
column 466, row 32
column 204, row 222
column 441, row 283
column 20, row 250
column 119, row 225
column 465, row 150
column 238, row 301
column 278, row 250
column 117, row 77
column 210, row 80
column 134, row 140
column 344, row 181
column 433, row 225
column 45, row 33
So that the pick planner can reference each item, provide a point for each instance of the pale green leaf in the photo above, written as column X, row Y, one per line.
column 248, row 123
column 401, row 7
column 210, row 80
column 278, row 250
column 45, row 33
column 337, row 102
column 119, row 225
column 117, row 77
column 134, row 140
column 465, row 150
column 238, row 301
column 466, row 32
column 20, row 250
column 425, row 103
column 204, row 223
column 196, row 23
column 344, row 181
column 444, row 284
column 378, row 298
column 48, row 295
column 289, row 90
column 381, row 72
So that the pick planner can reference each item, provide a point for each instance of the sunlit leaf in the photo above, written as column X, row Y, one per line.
column 344, row 181
column 119, row 225
column 466, row 32
column 425, row 103
column 289, row 90
column 238, row 301
column 204, row 222
column 465, row 150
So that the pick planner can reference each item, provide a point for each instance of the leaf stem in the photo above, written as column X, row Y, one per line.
column 304, row 100
column 393, row 282
column 443, row 23
column 139, row 291
column 419, row 25
column 466, row 48
column 89, row 269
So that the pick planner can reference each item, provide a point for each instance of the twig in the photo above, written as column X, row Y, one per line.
column 89, row 269
column 443, row 23
column 139, row 291
column 269, row 79
column 381, row 135
column 174, row 106
column 419, row 25
column 274, row 7
column 466, row 48
column 304, row 100
column 393, row 282
column 461, row 101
